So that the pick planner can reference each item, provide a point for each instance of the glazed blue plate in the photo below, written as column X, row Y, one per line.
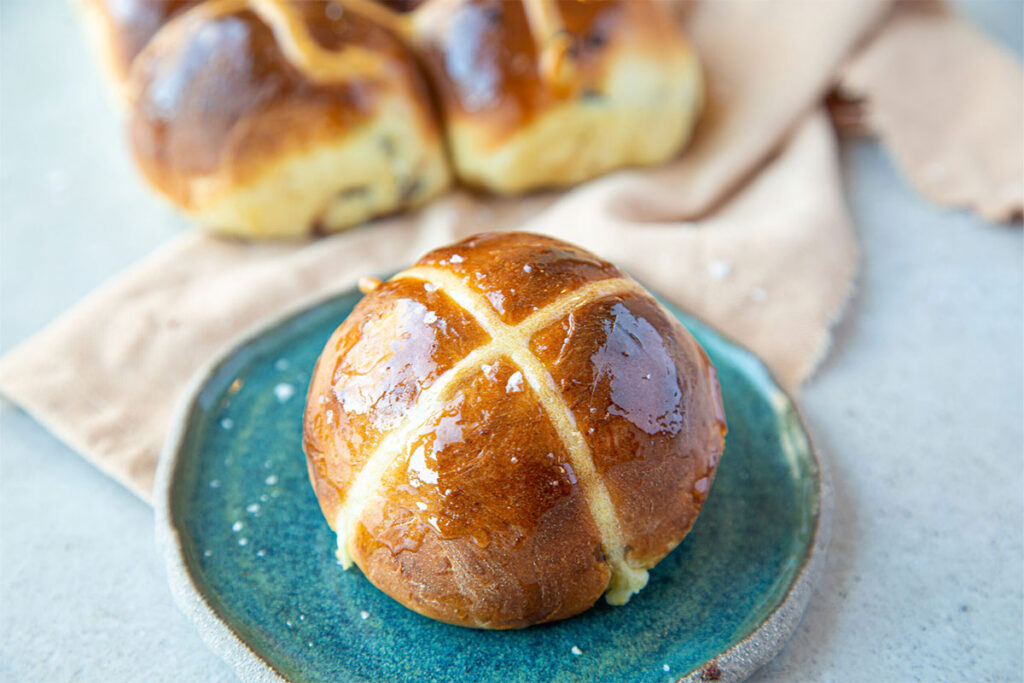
column 251, row 558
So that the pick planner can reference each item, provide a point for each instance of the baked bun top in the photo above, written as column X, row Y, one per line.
column 509, row 429
column 230, row 87
column 501, row 64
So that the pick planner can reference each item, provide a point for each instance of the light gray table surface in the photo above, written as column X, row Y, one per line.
column 918, row 407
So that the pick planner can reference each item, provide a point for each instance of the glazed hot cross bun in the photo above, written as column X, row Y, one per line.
column 548, row 93
column 270, row 118
column 277, row 118
column 509, row 429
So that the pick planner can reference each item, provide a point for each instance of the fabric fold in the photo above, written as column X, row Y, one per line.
column 949, row 104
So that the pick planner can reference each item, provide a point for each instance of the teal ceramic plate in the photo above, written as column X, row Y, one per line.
column 251, row 558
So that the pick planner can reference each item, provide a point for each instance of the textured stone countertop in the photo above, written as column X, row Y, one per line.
column 918, row 407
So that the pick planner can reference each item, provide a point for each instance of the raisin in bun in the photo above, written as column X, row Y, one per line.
column 509, row 429
column 547, row 93
column 283, row 117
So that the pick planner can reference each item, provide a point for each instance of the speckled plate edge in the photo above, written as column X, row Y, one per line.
column 736, row 663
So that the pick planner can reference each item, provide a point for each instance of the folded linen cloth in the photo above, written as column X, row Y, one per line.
column 747, row 230
column 949, row 104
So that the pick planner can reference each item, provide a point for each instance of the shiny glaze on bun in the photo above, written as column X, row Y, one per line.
column 627, row 90
column 283, row 118
column 509, row 429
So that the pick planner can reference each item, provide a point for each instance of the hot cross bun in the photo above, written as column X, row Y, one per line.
column 508, row 430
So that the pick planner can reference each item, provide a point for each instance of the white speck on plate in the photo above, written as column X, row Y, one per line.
column 288, row 623
column 302, row 617
column 264, row 498
column 719, row 269
column 227, row 423
column 430, row 317
column 527, row 268
column 430, row 286
column 364, row 615
column 236, row 527
column 309, row 644
column 243, row 541
column 284, row 391
column 759, row 294
column 215, row 484
column 281, row 364
column 207, row 553
column 666, row 668
column 456, row 258
column 576, row 650
column 252, row 508
column 515, row 383
column 271, row 480
column 261, row 553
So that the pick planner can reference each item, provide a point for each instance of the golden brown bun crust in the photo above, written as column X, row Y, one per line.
column 213, row 93
column 367, row 384
column 534, row 103
column 577, row 440
column 486, row 65
column 646, row 396
column 502, row 509
column 518, row 272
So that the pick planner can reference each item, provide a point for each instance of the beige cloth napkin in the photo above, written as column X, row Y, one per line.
column 949, row 104
column 747, row 230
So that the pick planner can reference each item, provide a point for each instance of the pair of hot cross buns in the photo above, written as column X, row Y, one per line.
column 269, row 118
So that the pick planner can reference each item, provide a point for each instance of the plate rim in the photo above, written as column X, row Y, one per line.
column 735, row 663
